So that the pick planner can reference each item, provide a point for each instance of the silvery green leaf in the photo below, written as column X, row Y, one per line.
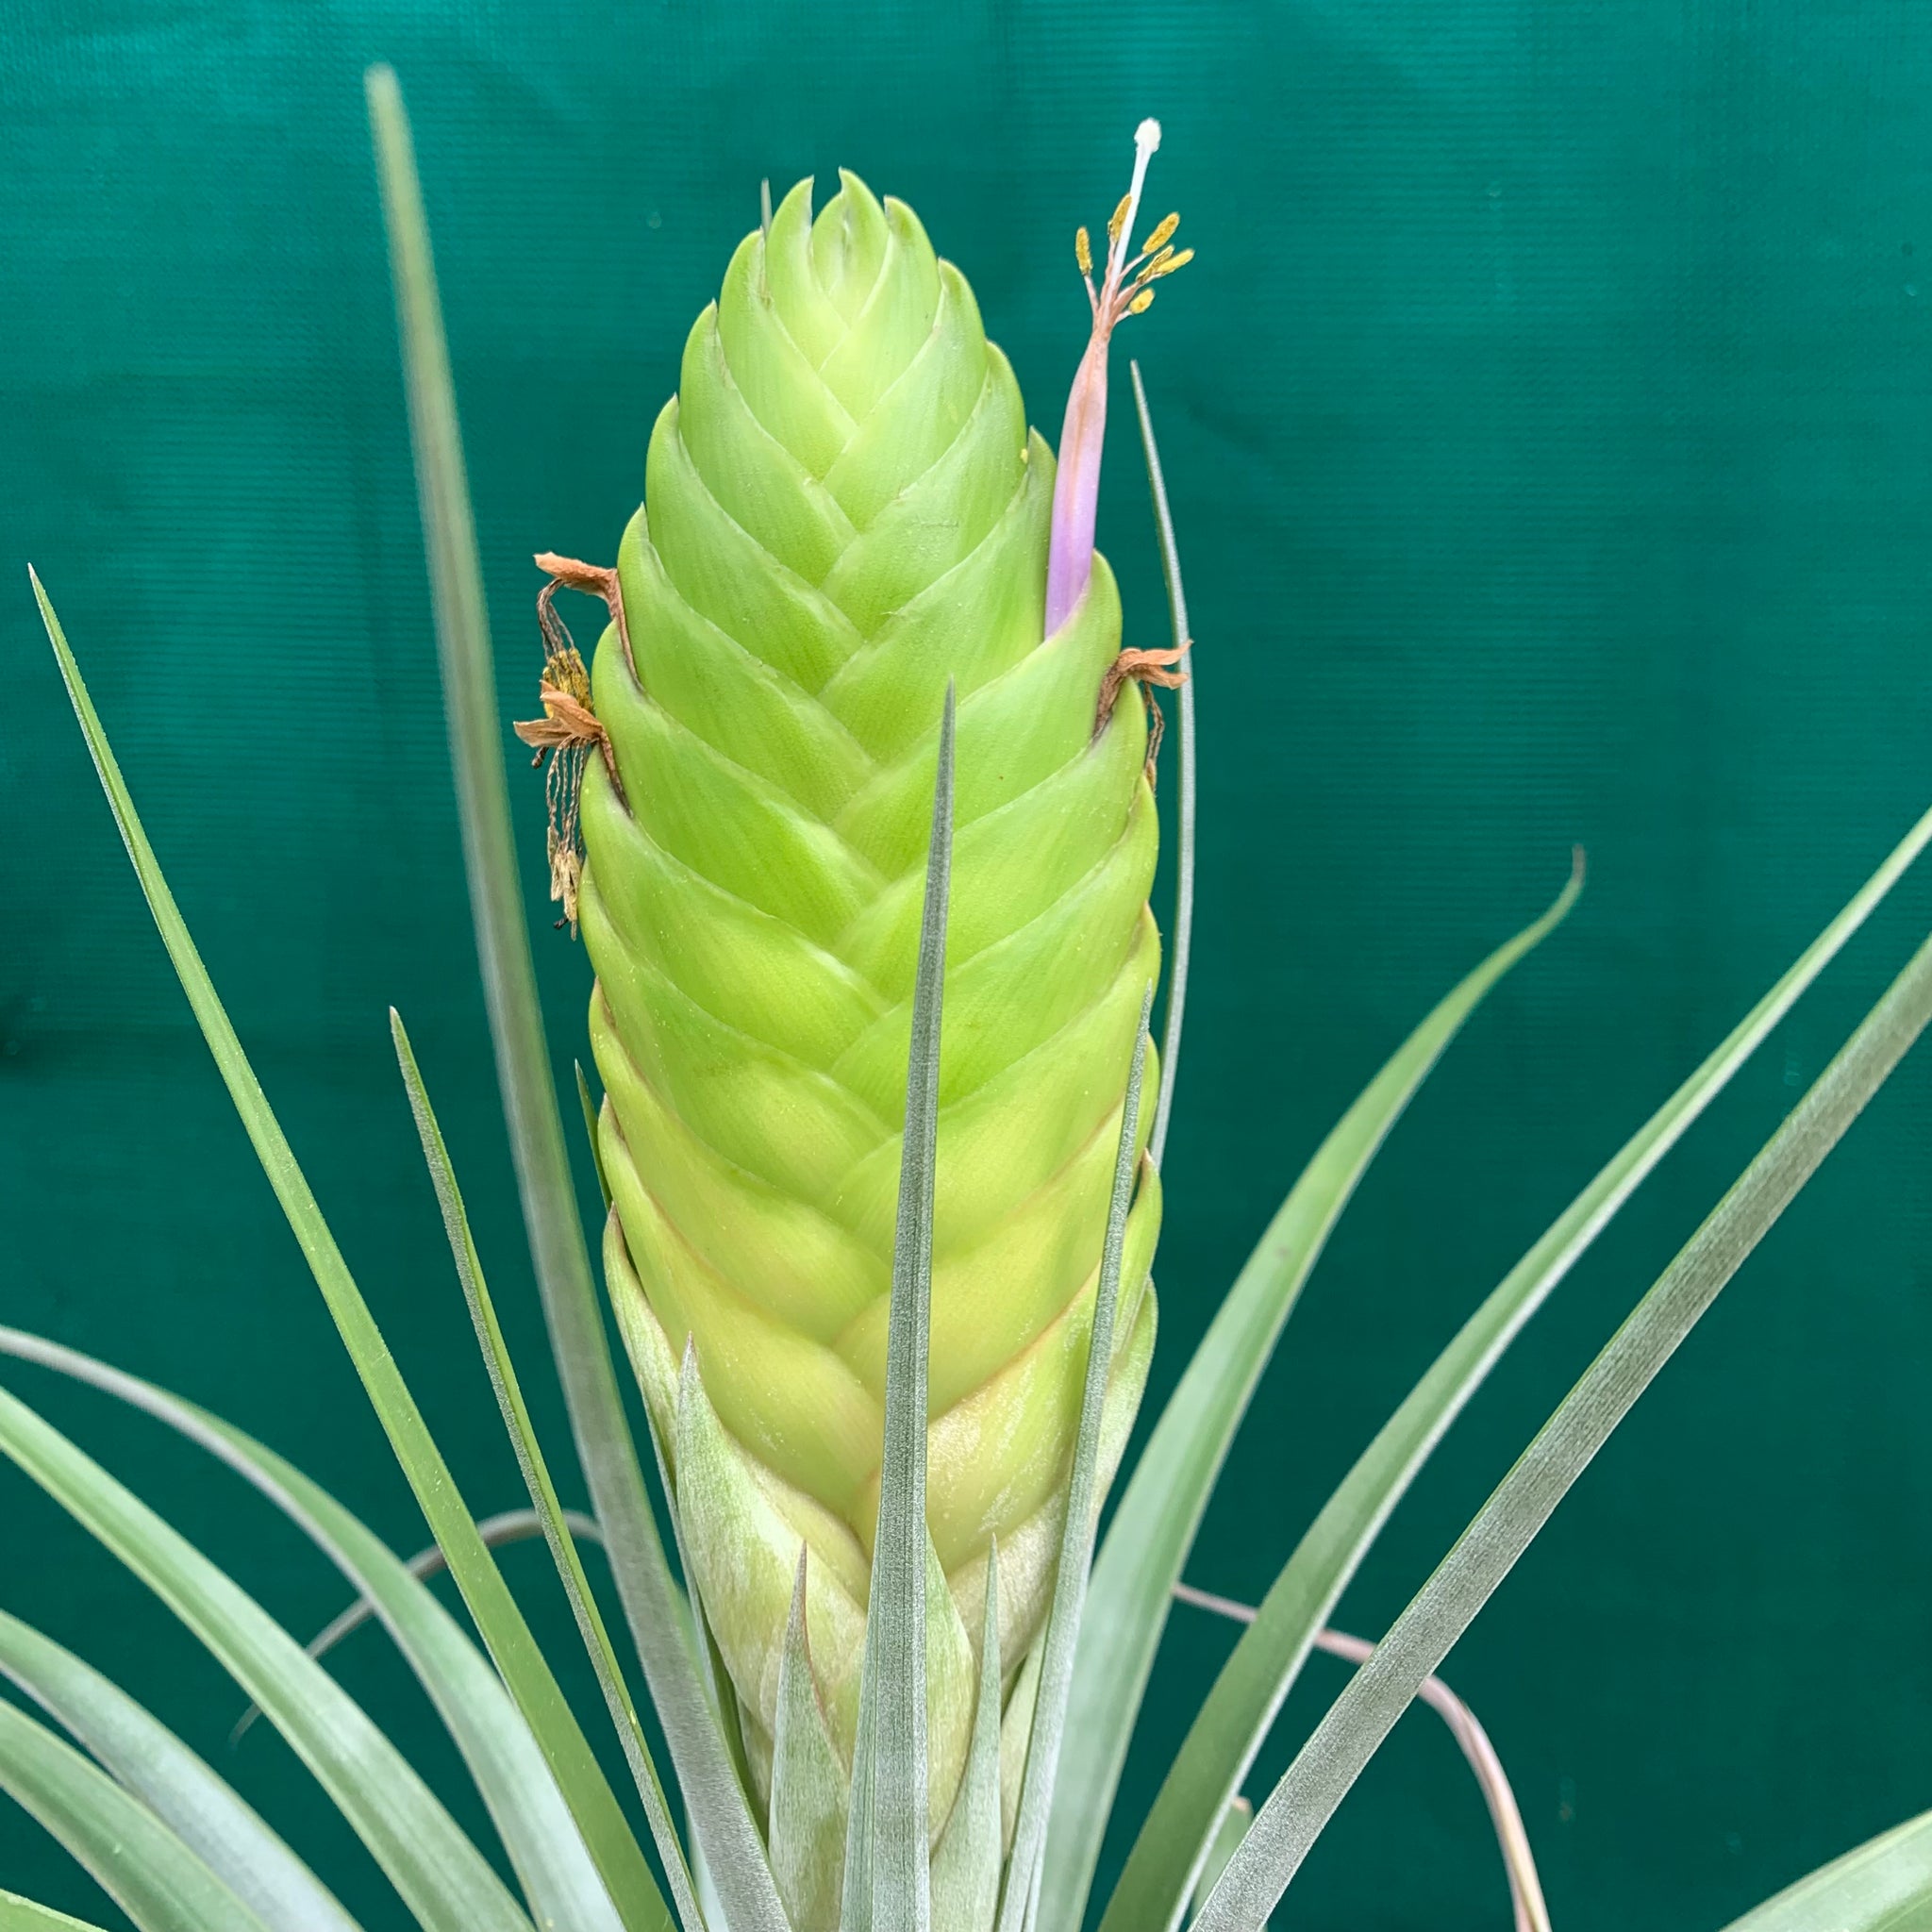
column 153, row 1765
column 408, row 1436
column 808, row 1786
column 19, row 1914
column 1228, row 1834
column 952, row 1688
column 1016, row 1734
column 1058, row 1649
column 656, row 1374
column 707, row 1777
column 528, row 1811
column 966, row 1865
column 1229, row 1729
column 888, row 1880
column 1180, row 940
column 656, row 1371
column 526, row 1672
column 745, row 1561
column 1884, row 1885
column 589, row 1112
column 140, row 1864
column 445, row 1881
column 508, row 1526
column 536, row 1473
column 1342, row 1744
column 1154, row 1526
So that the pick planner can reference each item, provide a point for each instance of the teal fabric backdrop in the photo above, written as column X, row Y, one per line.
column 1549, row 421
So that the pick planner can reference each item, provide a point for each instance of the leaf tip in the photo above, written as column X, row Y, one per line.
column 795, row 1631
column 388, row 120
column 1573, row 888
column 46, row 604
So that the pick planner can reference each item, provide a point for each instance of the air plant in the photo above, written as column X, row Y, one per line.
column 854, row 812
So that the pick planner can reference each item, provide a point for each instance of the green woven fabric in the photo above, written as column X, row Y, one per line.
column 1546, row 416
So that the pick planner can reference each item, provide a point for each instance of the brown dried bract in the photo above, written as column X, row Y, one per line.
column 593, row 580
column 569, row 727
column 1143, row 668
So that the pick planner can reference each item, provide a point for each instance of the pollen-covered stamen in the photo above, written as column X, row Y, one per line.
column 1125, row 276
column 1083, row 256
column 1134, row 293
column 1161, row 236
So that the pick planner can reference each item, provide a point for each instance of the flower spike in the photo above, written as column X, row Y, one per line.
column 1126, row 288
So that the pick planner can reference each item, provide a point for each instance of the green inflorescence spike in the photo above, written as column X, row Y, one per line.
column 843, row 510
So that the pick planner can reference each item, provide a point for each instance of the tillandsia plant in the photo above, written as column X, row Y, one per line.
column 845, row 522
column 855, row 811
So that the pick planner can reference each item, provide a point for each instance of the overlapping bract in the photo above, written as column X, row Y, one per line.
column 843, row 510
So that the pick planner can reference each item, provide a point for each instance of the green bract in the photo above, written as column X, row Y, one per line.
column 843, row 510
column 864, row 877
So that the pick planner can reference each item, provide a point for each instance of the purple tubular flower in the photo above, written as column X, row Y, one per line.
column 1083, row 435
column 1076, row 486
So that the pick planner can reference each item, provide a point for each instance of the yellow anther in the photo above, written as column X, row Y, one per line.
column 1118, row 220
column 1083, row 251
column 1161, row 236
column 1141, row 303
column 1167, row 263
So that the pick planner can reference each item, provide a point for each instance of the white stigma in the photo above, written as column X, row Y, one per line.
column 1146, row 138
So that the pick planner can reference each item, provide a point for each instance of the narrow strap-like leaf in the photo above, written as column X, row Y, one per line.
column 501, row 1624
column 508, row 1526
column 1179, row 941
column 966, row 1864
column 706, row 1778
column 134, row 1858
column 889, row 1849
column 1229, row 1729
column 1528, row 1909
column 1527, row 1905
column 149, row 1761
column 1342, row 1744
column 536, row 1474
column 19, row 1914
column 1153, row 1528
column 808, row 1786
column 1884, row 1885
column 589, row 1109
column 1061, row 1643
column 1016, row 1728
column 524, row 1802
column 441, row 1876
column 1235, row 1819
